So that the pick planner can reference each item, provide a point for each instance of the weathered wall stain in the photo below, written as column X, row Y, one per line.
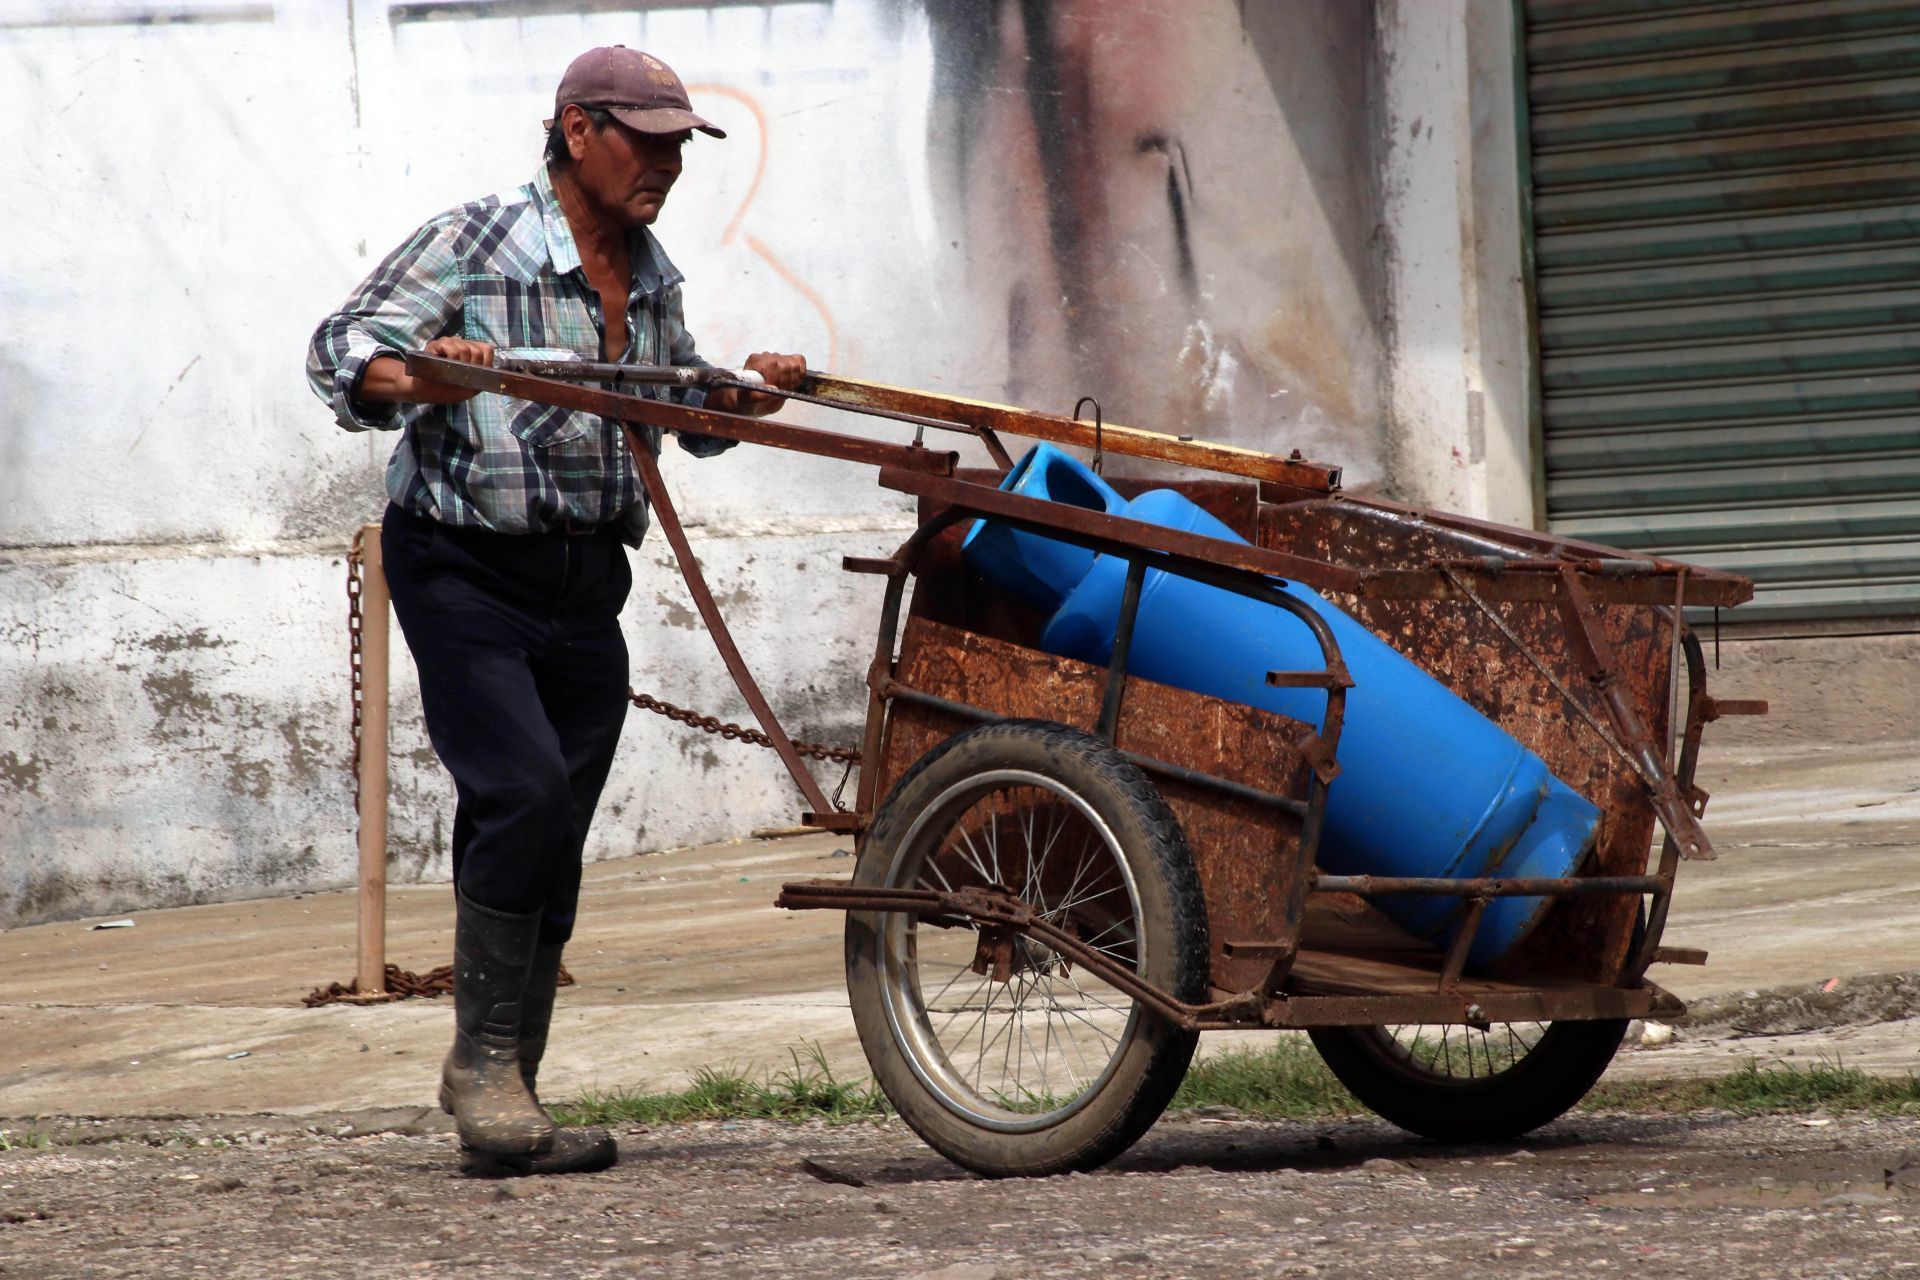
column 175, row 641
column 247, row 777
column 21, row 774
column 61, row 893
column 307, row 755
column 341, row 501
column 181, row 706
column 674, row 613
column 1179, row 196
column 1127, row 174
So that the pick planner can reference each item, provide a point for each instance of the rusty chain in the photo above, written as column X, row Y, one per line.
column 356, row 558
column 738, row 733
column 401, row 984
column 645, row 701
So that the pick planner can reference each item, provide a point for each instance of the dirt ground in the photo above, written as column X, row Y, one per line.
column 683, row 962
column 1202, row 1196
column 208, row 1124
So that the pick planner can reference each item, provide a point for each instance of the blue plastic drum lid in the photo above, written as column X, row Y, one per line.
column 1040, row 571
column 1428, row 786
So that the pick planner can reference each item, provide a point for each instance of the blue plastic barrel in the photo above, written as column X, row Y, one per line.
column 1428, row 786
column 1038, row 570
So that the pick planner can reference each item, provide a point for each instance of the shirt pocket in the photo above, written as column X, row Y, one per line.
column 517, row 316
column 541, row 425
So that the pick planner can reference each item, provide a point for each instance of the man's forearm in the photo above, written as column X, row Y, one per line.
column 386, row 380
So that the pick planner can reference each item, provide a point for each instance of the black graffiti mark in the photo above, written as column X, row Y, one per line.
column 1179, row 196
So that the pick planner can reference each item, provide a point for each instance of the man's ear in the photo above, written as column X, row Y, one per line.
column 576, row 124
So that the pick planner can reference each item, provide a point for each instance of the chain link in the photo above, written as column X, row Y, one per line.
column 738, row 733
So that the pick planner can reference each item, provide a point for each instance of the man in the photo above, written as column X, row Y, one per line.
column 505, row 546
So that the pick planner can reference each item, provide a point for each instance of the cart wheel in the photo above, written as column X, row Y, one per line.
column 1001, row 1053
column 1464, row 1084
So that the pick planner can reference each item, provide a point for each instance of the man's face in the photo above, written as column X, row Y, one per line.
column 626, row 174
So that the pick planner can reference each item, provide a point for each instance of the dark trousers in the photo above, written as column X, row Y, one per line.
column 523, row 682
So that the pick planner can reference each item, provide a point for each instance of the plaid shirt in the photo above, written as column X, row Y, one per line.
column 505, row 270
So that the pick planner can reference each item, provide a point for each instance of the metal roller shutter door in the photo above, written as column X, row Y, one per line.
column 1726, row 215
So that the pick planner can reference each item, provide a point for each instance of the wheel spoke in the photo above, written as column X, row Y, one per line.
column 985, row 1009
column 993, row 847
column 973, row 857
column 1023, row 1053
column 964, row 1007
column 1006, row 1058
column 1030, row 887
column 1069, row 1040
column 1065, row 907
column 1117, row 924
column 958, row 969
column 1078, row 873
column 1090, row 1024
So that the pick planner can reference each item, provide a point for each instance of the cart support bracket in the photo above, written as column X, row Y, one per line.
column 1596, row 656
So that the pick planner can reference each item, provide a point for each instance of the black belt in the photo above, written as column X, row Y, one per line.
column 561, row 528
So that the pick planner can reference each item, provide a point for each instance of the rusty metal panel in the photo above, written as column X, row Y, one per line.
column 1246, row 853
column 1460, row 646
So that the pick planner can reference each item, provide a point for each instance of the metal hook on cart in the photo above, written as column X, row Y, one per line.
column 1097, row 428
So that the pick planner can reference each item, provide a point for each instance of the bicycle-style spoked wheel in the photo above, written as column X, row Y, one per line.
column 1463, row 1053
column 1005, row 1054
column 1457, row 1083
column 1004, row 1028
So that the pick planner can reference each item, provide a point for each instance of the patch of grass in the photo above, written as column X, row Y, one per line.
column 1285, row 1079
column 24, row 1139
column 1754, row 1089
column 808, row 1090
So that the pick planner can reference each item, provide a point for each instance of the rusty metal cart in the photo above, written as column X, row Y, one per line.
column 1065, row 872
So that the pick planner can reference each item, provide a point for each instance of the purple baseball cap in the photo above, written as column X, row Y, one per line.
column 636, row 88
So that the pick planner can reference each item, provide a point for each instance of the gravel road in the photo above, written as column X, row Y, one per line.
column 374, row 1195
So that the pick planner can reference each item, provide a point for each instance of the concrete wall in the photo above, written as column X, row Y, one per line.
column 1169, row 205
column 1459, row 400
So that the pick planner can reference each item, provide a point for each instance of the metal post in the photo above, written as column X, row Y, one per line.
column 371, row 973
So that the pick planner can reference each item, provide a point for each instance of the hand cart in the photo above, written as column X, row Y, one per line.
column 1065, row 872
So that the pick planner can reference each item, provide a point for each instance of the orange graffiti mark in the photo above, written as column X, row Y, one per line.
column 804, row 290
column 780, row 269
column 752, row 104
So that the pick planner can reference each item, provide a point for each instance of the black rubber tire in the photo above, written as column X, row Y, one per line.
column 1166, row 934
column 1540, row 1086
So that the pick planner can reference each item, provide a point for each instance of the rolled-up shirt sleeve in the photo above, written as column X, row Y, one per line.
column 411, row 298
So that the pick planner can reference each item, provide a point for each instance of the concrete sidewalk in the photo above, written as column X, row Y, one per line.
column 682, row 963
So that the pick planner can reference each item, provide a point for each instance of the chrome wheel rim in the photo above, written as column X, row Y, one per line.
column 1023, row 1053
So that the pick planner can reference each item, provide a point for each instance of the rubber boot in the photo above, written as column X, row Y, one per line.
column 481, row 1085
column 573, row 1150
